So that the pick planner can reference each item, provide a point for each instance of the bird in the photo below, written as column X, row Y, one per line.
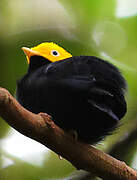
column 83, row 94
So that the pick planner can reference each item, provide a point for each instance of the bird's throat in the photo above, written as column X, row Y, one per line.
column 36, row 62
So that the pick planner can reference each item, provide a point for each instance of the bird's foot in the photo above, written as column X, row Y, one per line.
column 45, row 116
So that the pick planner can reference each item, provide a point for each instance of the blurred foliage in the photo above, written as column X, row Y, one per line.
column 103, row 28
column 21, row 170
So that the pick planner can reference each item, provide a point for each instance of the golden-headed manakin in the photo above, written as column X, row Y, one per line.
column 81, row 93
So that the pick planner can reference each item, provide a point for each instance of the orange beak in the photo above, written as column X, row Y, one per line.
column 29, row 52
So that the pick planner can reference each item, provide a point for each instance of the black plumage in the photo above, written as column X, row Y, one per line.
column 81, row 93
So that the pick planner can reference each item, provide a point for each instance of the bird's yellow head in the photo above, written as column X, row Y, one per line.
column 48, row 50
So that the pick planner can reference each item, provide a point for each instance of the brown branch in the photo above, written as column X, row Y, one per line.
column 41, row 128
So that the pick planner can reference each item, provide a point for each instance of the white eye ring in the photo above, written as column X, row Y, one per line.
column 55, row 53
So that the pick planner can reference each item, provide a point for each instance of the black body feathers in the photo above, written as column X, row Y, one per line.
column 81, row 93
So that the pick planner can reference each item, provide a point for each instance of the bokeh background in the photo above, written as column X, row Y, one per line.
column 107, row 29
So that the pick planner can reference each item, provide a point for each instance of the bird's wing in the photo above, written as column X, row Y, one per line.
column 99, row 83
column 95, row 96
column 102, row 99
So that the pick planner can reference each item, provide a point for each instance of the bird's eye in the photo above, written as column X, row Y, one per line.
column 54, row 53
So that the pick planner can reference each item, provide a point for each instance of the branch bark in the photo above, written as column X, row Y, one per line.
column 41, row 128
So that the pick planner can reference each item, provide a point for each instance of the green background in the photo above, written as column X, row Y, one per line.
column 107, row 29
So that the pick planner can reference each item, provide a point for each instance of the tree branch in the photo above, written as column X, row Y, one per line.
column 41, row 128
